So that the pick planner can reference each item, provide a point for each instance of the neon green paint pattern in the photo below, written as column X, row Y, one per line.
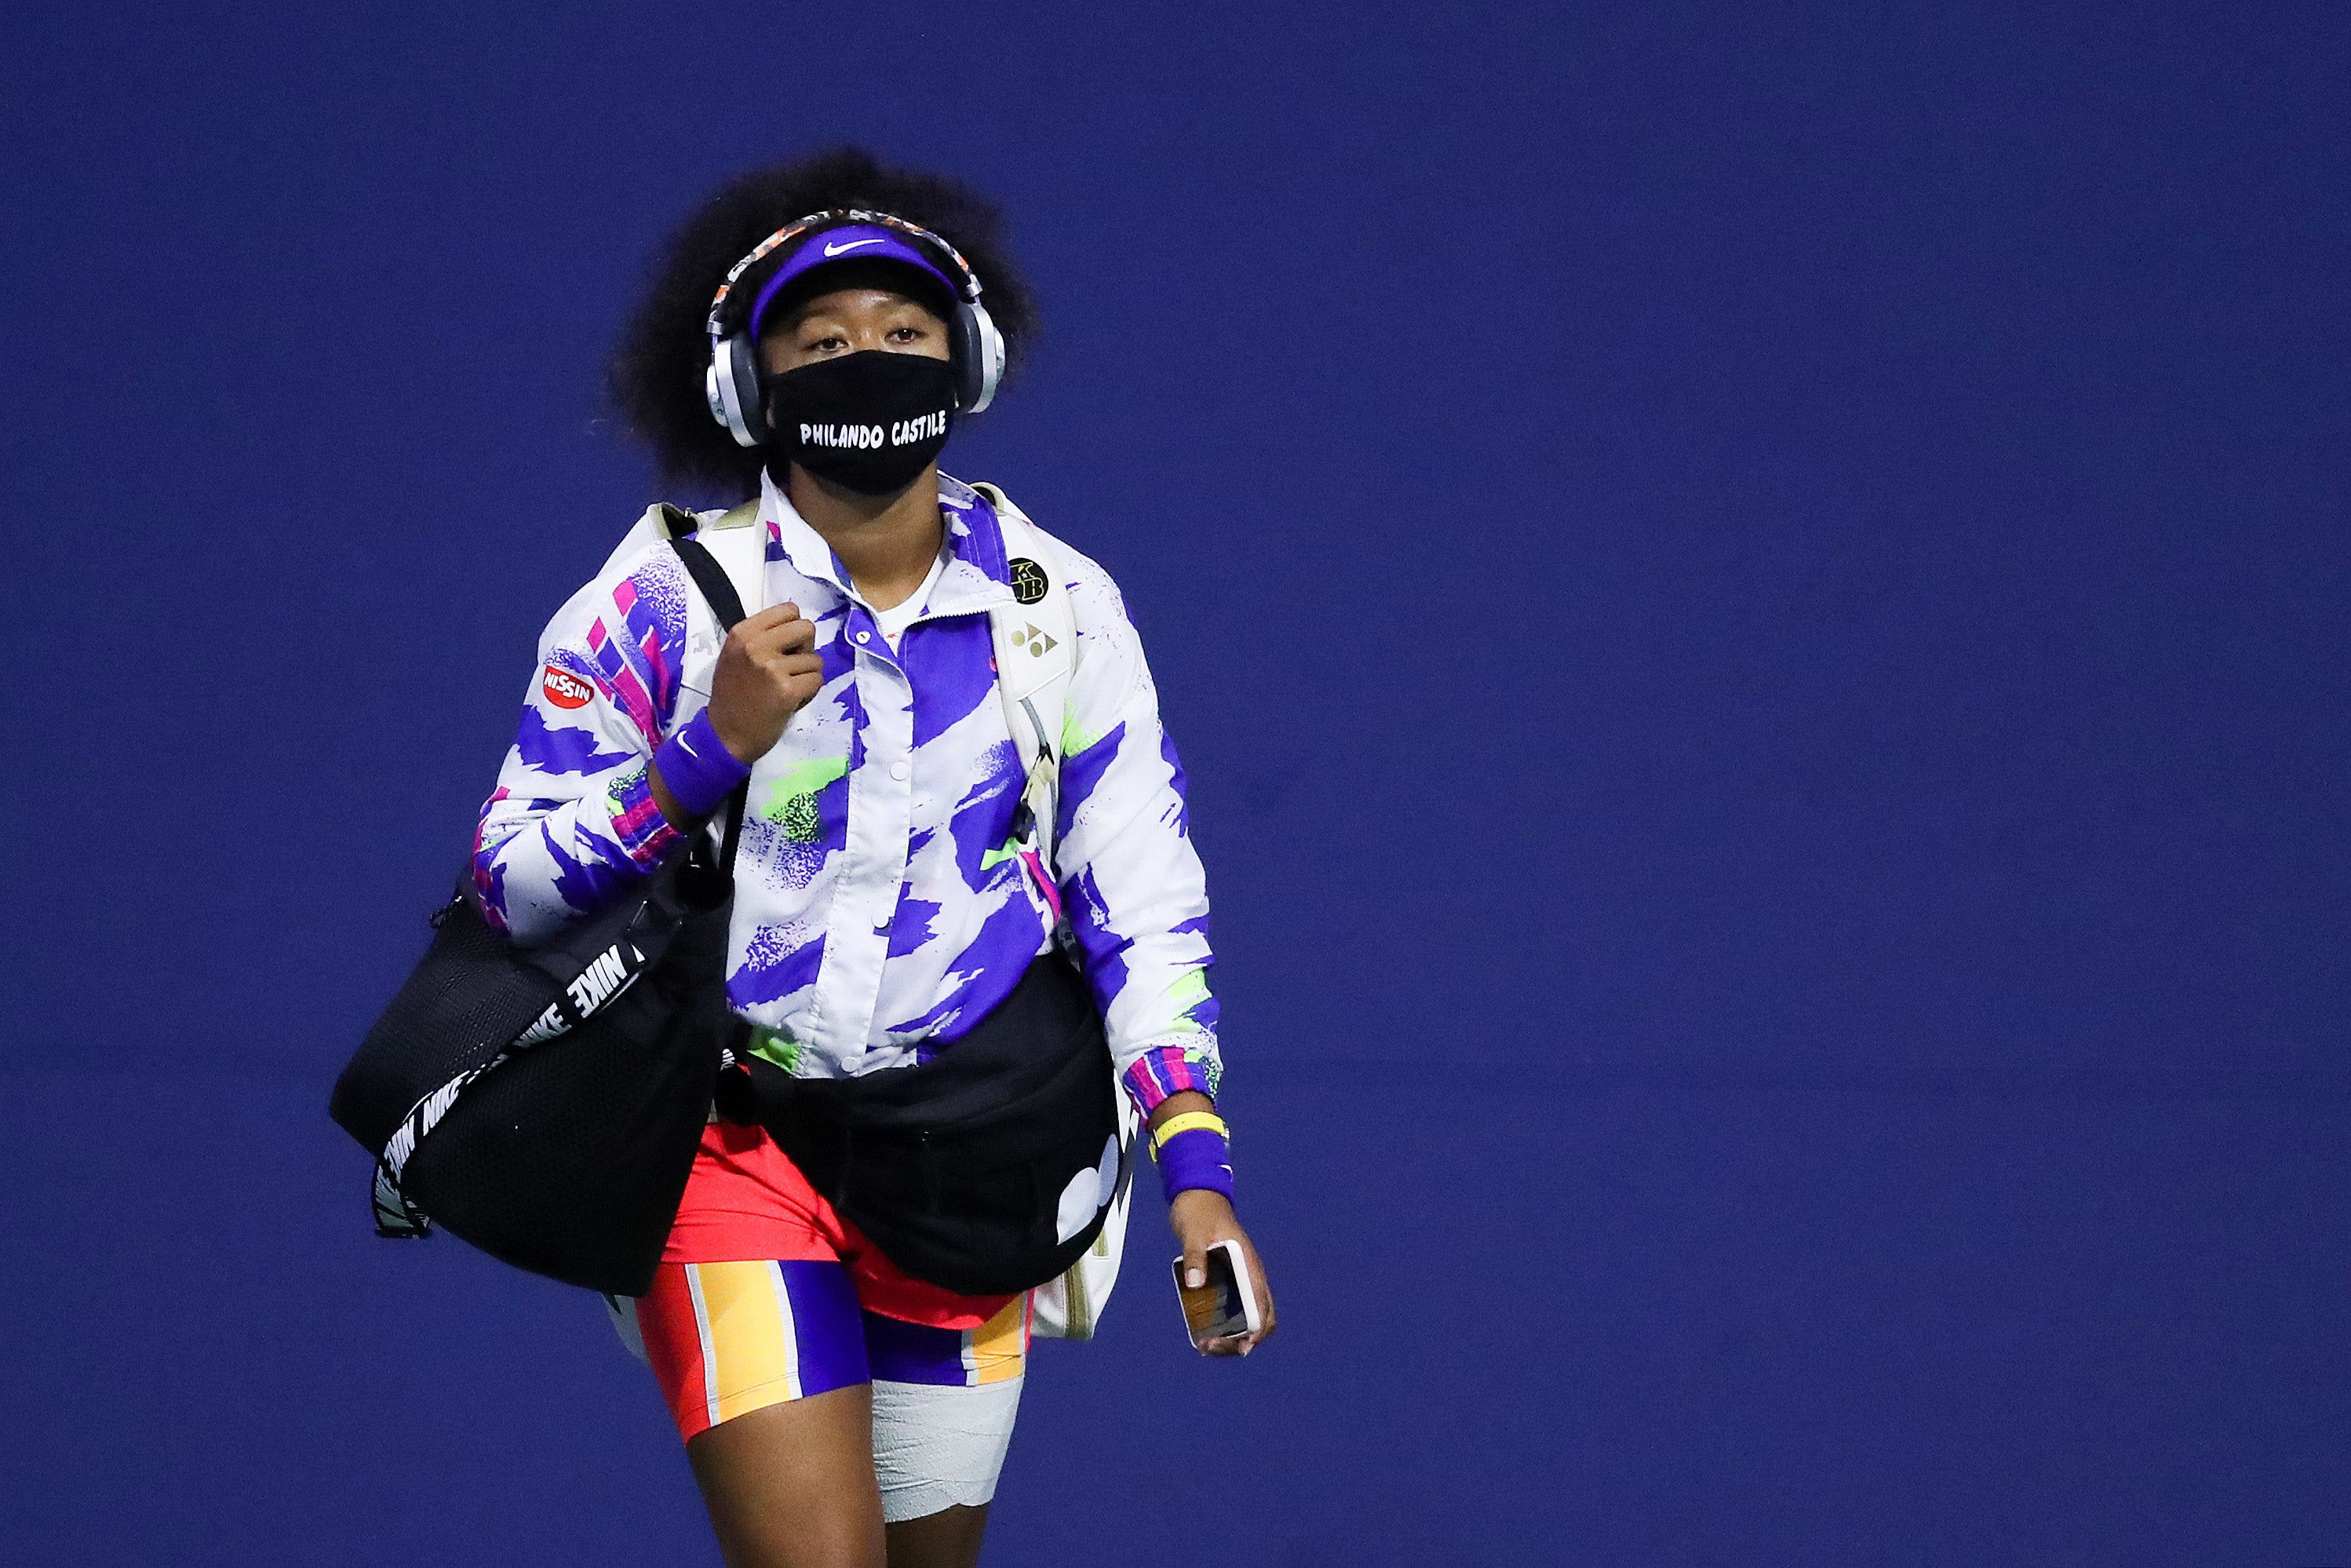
column 776, row 1046
column 1190, row 989
column 622, row 782
column 1073, row 740
column 791, row 799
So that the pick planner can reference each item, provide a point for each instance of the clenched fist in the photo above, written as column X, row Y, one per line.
column 766, row 673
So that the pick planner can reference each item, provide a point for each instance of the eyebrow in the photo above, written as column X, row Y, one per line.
column 809, row 312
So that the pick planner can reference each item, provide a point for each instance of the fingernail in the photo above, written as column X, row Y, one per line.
column 1195, row 1278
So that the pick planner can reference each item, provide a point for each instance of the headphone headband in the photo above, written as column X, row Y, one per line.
column 832, row 219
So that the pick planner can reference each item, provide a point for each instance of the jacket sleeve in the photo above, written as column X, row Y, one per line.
column 572, row 823
column 1137, row 898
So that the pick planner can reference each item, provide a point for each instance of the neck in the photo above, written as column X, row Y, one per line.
column 888, row 542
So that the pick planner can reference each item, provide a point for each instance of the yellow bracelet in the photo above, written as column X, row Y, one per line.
column 1189, row 1122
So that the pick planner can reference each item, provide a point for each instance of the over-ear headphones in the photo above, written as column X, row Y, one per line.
column 731, row 384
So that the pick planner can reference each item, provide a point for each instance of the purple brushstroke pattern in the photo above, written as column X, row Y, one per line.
column 950, row 669
column 489, row 877
column 1104, row 950
column 771, row 970
column 984, row 973
column 559, row 749
column 590, row 881
column 1081, row 772
column 983, row 822
column 910, row 923
column 980, row 538
column 1183, row 823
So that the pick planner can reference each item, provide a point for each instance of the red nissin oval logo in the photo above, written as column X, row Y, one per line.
column 564, row 689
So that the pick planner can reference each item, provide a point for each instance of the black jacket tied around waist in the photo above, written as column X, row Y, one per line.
column 987, row 1169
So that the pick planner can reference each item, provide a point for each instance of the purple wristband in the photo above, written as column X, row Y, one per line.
column 697, row 767
column 1199, row 1158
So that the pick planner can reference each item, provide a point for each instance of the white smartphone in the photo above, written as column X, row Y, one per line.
column 1226, row 1305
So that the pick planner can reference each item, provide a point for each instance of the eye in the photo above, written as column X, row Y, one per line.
column 831, row 343
column 906, row 334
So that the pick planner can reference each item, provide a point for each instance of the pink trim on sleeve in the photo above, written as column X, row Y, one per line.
column 638, row 823
column 1158, row 1074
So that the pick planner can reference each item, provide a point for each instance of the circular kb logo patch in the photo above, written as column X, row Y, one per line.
column 1029, row 583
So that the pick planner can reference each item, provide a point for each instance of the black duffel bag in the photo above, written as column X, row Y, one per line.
column 545, row 1102
column 987, row 1169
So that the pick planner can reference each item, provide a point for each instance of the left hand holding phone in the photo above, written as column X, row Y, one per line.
column 1200, row 1219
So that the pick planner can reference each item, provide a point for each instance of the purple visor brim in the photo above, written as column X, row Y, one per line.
column 854, row 242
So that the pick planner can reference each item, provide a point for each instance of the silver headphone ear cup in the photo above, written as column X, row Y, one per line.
column 983, row 360
column 969, row 359
column 748, row 397
column 732, row 387
column 710, row 398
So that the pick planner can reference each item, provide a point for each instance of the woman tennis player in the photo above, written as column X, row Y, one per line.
column 811, row 338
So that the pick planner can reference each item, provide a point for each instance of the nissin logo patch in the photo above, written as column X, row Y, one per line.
column 564, row 689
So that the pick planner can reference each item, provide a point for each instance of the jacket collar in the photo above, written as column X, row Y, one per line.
column 977, row 576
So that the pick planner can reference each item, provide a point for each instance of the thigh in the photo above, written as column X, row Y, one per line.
column 790, row 1485
column 726, row 1339
column 763, row 1365
column 947, row 1539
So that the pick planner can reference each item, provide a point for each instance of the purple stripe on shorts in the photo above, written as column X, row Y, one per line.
column 829, row 1341
column 916, row 1353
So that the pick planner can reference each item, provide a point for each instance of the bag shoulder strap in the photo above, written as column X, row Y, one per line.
column 1036, row 639
column 731, row 539
column 724, row 557
column 717, row 584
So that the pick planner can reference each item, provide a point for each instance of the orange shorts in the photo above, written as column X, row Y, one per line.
column 747, row 1202
column 766, row 1294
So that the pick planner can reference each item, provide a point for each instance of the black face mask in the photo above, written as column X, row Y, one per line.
column 868, row 422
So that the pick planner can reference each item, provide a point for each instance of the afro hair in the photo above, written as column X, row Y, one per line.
column 656, row 372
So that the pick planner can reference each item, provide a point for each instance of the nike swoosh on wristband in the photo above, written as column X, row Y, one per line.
column 831, row 250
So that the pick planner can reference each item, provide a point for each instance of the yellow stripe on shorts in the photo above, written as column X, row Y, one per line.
column 998, row 1348
column 748, row 1335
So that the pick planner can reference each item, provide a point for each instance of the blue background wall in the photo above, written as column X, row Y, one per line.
column 1755, row 604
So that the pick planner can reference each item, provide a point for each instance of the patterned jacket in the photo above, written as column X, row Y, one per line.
column 880, row 906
